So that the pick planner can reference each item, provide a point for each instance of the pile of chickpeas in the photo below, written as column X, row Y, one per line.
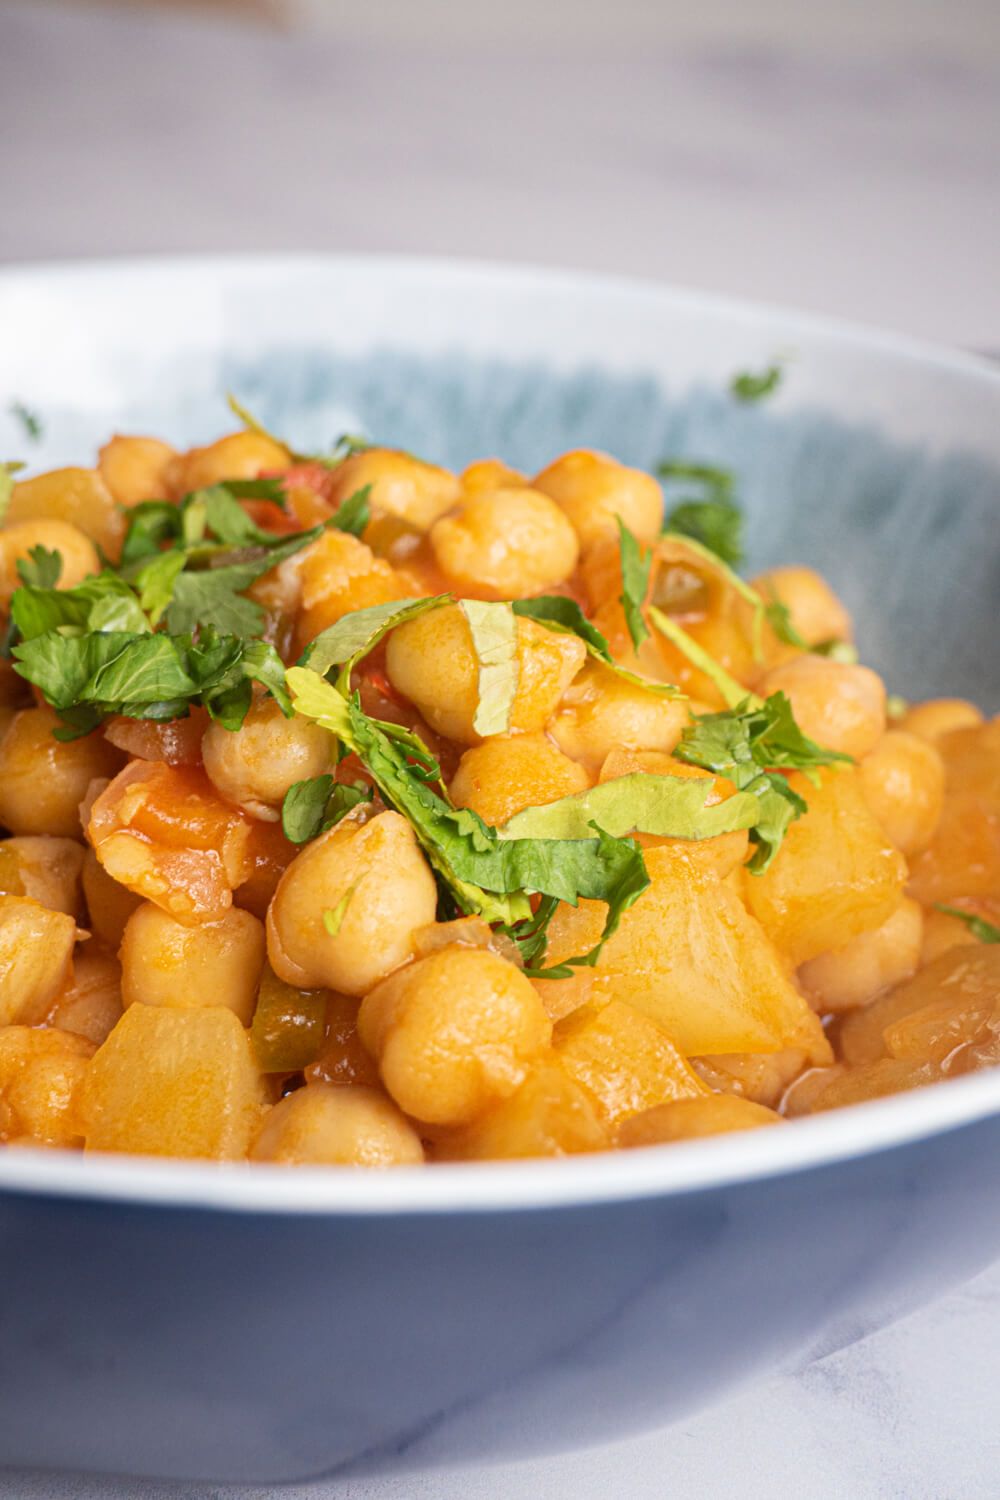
column 171, row 982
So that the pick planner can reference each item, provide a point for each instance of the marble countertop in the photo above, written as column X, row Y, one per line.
column 842, row 158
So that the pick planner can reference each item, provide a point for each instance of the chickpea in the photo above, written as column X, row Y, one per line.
column 815, row 611
column 45, row 869
column 402, row 486
column 215, row 963
column 903, row 782
column 75, row 496
column 431, row 661
column 374, row 879
column 454, row 1033
column 509, row 772
column 335, row 1125
column 602, row 712
column 78, row 553
column 43, row 780
column 868, row 964
column 505, row 543
column 840, row 706
column 686, row 1119
column 255, row 765
column 109, row 904
column 940, row 716
column 135, row 468
column 240, row 455
column 490, row 474
column 595, row 490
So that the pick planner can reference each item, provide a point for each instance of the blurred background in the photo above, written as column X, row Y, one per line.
column 844, row 158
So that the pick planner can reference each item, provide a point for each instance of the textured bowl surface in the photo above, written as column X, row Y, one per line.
column 221, row 1323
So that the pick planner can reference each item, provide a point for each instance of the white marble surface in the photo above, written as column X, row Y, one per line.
column 845, row 158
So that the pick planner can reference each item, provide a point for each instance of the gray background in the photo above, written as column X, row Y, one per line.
column 845, row 158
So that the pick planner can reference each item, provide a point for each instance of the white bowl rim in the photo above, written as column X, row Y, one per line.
column 841, row 1135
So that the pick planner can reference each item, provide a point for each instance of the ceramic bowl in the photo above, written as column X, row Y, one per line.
column 226, row 1323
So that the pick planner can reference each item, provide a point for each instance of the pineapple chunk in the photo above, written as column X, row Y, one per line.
column 876, row 1080
column 685, row 1119
column 36, row 948
column 835, row 876
column 688, row 956
column 91, row 1003
column 41, row 1073
column 963, row 858
column 551, row 1114
column 626, row 1061
column 174, row 1083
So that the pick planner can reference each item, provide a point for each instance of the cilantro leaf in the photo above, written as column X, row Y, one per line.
column 835, row 650
column 213, row 596
column 751, row 744
column 985, row 932
column 102, row 602
column 670, row 806
column 493, row 628
column 636, row 564
column 350, row 638
column 29, row 420
column 750, row 386
column 716, row 482
column 311, row 807
column 41, row 569
column 717, row 524
column 355, row 513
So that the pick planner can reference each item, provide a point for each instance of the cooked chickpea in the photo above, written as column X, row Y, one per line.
column 332, row 1125
column 214, row 963
column 453, row 1032
column 255, row 765
column 401, row 485
column 595, row 491
column 509, row 772
column 505, row 543
column 78, row 497
column 868, row 964
column 376, row 885
column 602, row 712
column 136, row 468
column 109, row 904
column 903, row 782
column 940, row 716
column 840, row 706
column 431, row 661
column 814, row 609
column 45, row 869
column 490, row 474
column 78, row 553
column 241, row 455
column 43, row 780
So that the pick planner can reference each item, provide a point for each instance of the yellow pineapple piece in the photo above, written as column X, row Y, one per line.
column 627, row 1061
column 836, row 874
column 686, row 1119
column 41, row 1074
column 174, row 1083
column 963, row 858
column 551, row 1114
column 36, row 948
column 876, row 1080
column 689, row 956
column 91, row 1002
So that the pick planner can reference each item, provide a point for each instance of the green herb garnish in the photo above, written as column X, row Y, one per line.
column 493, row 628
column 749, row 386
column 636, row 563
column 986, row 932
column 30, row 421
column 312, row 807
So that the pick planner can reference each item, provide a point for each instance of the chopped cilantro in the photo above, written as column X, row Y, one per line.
column 986, row 932
column 30, row 421
column 312, row 807
column 751, row 386
column 41, row 568
column 636, row 563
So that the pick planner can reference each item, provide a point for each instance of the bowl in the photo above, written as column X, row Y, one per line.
column 227, row 1323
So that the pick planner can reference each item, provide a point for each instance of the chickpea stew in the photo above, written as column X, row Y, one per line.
column 357, row 812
